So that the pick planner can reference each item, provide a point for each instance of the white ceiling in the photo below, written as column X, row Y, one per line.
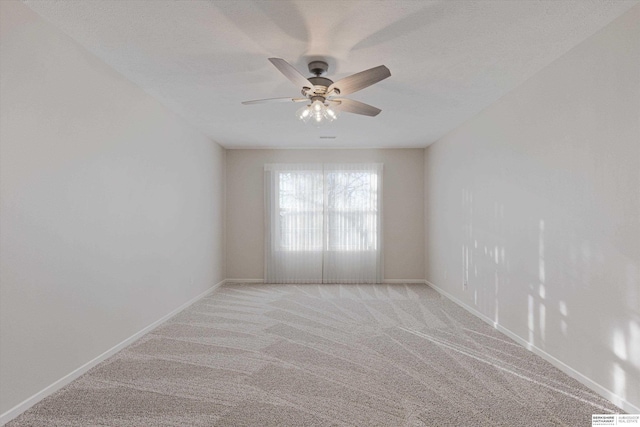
column 448, row 59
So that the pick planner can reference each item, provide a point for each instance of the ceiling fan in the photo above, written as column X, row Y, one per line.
column 322, row 94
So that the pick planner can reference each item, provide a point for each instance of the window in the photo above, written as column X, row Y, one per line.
column 323, row 223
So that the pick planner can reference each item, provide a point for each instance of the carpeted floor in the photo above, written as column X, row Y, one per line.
column 316, row 355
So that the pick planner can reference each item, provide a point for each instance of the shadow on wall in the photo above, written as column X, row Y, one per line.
column 579, row 303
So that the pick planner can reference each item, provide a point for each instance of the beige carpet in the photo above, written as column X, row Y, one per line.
column 316, row 355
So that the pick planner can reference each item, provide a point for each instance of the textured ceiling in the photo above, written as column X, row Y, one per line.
column 448, row 59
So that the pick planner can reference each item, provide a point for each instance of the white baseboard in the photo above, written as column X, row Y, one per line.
column 384, row 281
column 52, row 388
column 244, row 281
column 588, row 382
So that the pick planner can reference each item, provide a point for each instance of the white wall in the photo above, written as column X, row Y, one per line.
column 112, row 207
column 402, row 206
column 536, row 201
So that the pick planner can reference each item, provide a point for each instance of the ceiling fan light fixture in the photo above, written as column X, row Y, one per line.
column 317, row 112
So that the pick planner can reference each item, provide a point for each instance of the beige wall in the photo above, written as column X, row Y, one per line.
column 536, row 204
column 112, row 207
column 402, row 204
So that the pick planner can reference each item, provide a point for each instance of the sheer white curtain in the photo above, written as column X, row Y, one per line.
column 294, row 199
column 323, row 223
column 353, row 223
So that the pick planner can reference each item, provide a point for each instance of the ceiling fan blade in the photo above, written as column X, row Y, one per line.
column 291, row 73
column 359, row 81
column 356, row 107
column 273, row 100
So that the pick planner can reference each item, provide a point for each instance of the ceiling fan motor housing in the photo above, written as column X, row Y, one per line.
column 320, row 86
column 320, row 81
